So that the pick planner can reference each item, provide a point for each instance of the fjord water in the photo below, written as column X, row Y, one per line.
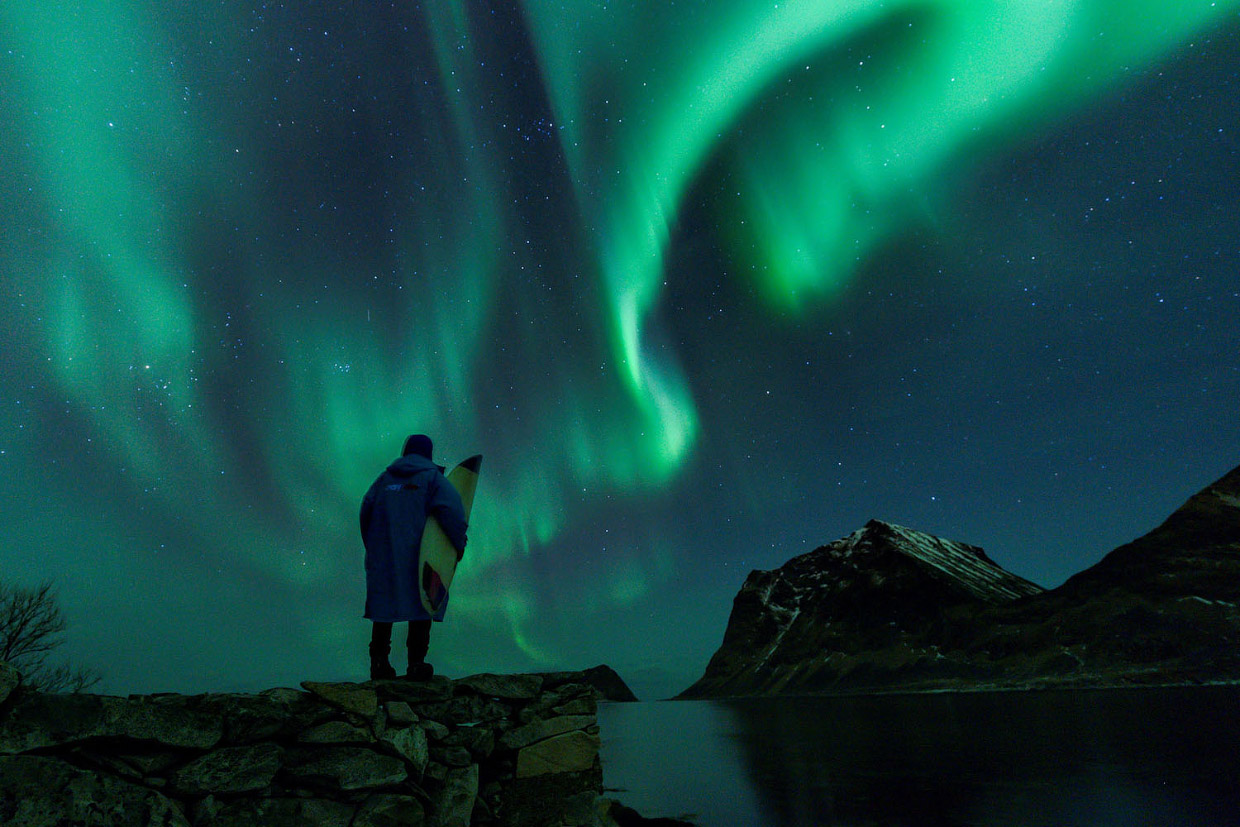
column 1081, row 757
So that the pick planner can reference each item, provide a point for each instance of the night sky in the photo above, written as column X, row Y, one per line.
column 709, row 284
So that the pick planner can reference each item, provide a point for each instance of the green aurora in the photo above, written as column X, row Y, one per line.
column 249, row 248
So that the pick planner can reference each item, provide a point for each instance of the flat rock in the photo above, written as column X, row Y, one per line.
column 452, row 756
column 437, row 688
column 335, row 732
column 382, row 810
column 540, row 730
column 273, row 714
column 466, row 710
column 138, row 761
column 578, row 706
column 280, row 812
column 229, row 770
column 433, row 729
column 399, row 714
column 455, row 803
column 348, row 768
column 611, row 813
column 479, row 740
column 411, row 744
column 43, row 792
column 40, row 720
column 351, row 697
column 571, row 752
column 508, row 687
column 602, row 677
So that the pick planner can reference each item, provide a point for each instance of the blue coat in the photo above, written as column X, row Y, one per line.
column 394, row 513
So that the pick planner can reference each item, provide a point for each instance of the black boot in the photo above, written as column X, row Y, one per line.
column 419, row 643
column 380, row 669
column 420, row 672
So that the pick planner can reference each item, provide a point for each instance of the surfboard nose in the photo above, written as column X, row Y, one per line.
column 473, row 463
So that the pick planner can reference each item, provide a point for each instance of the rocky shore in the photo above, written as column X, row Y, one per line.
column 483, row 750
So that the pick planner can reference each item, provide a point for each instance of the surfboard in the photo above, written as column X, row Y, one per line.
column 437, row 556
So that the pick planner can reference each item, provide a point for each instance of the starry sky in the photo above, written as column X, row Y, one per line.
column 709, row 284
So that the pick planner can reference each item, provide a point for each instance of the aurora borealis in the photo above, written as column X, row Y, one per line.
column 708, row 284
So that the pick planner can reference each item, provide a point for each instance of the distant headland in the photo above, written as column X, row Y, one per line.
column 890, row 609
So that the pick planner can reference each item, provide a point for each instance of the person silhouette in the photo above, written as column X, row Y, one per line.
column 393, row 515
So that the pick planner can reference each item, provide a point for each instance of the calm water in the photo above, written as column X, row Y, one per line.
column 1121, row 757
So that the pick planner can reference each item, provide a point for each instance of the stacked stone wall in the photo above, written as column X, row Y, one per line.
column 505, row 750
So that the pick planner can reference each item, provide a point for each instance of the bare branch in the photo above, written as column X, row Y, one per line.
column 62, row 679
column 31, row 626
column 30, row 621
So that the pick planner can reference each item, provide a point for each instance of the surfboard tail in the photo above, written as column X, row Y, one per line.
column 434, row 589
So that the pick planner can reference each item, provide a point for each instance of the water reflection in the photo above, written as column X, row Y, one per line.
column 1141, row 757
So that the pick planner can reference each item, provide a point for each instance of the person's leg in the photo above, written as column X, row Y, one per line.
column 380, row 648
column 419, row 643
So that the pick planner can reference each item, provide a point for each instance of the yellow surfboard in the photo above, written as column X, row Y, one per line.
column 437, row 556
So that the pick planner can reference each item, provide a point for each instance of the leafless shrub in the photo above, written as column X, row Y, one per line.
column 31, row 627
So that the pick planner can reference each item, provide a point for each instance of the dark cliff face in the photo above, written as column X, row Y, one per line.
column 1163, row 608
column 887, row 608
column 1186, row 555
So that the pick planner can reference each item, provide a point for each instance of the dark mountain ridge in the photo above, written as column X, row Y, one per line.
column 892, row 609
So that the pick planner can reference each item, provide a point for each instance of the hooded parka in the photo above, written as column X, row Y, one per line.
column 394, row 513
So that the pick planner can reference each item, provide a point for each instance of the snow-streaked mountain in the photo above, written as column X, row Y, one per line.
column 891, row 608
column 791, row 628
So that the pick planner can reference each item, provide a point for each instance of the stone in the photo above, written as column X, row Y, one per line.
column 479, row 740
column 433, row 729
column 543, row 800
column 229, row 770
column 151, row 761
column 435, row 774
column 138, row 762
column 454, row 806
column 483, row 814
column 382, row 810
column 571, row 752
column 284, row 695
column 273, row 714
column 335, row 732
column 414, row 693
column 346, row 768
column 36, row 791
column 411, row 744
column 452, row 756
column 279, row 812
column 466, row 710
column 40, row 720
column 10, row 679
column 540, row 730
column 611, row 813
column 400, row 715
column 579, row 809
column 205, row 809
column 351, row 697
column 603, row 678
column 508, row 687
column 577, row 706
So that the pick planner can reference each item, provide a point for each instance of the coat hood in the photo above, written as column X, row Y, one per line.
column 412, row 464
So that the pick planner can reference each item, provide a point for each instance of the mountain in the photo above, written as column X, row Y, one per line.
column 891, row 609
